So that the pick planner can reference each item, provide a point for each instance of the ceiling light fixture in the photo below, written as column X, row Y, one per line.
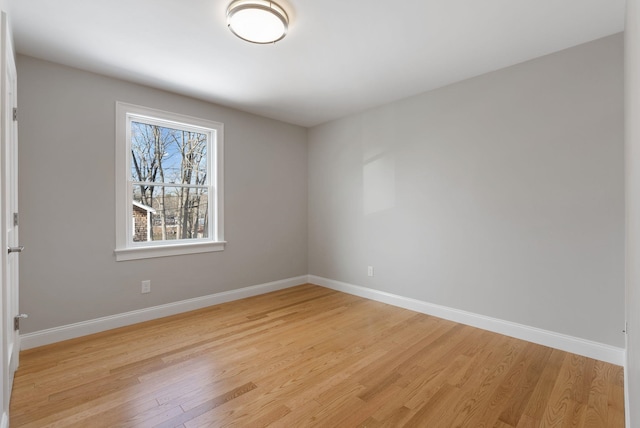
column 257, row 21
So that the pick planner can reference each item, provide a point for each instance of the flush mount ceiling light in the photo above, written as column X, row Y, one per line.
column 257, row 21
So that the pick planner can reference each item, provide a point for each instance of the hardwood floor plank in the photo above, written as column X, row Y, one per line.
column 527, row 421
column 537, row 358
column 562, row 398
column 537, row 404
column 515, row 370
column 615, row 414
column 471, row 408
column 121, row 415
column 207, row 406
column 362, row 413
column 309, row 356
column 298, row 414
column 434, row 409
column 270, row 417
column 397, row 418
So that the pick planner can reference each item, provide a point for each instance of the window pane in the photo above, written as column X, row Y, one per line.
column 164, row 213
column 165, row 155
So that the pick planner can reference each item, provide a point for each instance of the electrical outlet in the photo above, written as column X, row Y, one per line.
column 146, row 287
column 369, row 270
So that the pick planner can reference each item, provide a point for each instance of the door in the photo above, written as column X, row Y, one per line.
column 9, row 214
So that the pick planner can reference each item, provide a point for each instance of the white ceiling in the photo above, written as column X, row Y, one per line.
column 340, row 56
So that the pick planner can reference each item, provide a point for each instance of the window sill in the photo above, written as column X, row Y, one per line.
column 124, row 254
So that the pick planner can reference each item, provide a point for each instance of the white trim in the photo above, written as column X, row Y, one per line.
column 135, row 253
column 575, row 345
column 560, row 341
column 126, row 249
column 71, row 331
column 4, row 421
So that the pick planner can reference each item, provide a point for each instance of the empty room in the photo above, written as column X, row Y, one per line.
column 294, row 213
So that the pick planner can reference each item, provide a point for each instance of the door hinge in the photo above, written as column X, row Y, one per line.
column 15, row 219
column 16, row 321
column 15, row 113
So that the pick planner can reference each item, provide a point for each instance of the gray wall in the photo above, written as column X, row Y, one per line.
column 67, row 195
column 501, row 195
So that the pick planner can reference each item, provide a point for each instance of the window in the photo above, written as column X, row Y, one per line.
column 168, row 184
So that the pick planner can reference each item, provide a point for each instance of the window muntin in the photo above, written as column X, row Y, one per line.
column 173, row 170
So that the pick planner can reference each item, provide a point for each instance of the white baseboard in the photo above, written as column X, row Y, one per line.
column 563, row 342
column 551, row 339
column 72, row 331
column 4, row 420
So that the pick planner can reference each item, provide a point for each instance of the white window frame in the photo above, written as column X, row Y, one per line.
column 126, row 248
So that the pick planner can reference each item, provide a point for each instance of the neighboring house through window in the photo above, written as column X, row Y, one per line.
column 142, row 215
column 169, row 184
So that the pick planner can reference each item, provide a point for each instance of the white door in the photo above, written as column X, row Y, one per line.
column 9, row 213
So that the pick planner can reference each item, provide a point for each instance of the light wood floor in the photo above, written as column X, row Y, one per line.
column 309, row 356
